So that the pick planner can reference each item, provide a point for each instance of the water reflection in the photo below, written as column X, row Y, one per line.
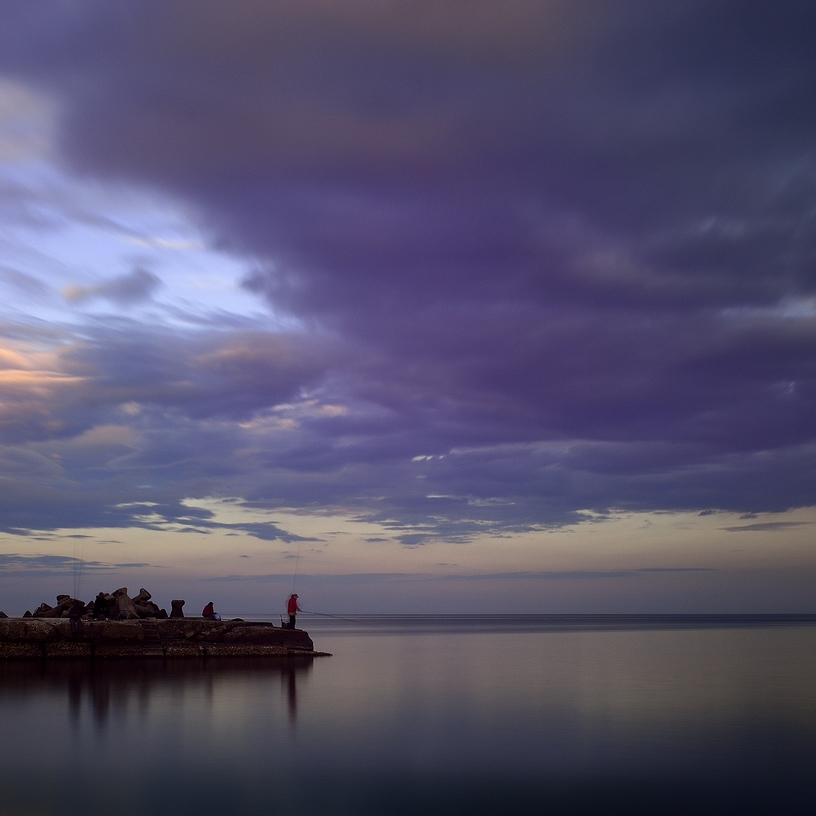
column 104, row 692
column 460, row 719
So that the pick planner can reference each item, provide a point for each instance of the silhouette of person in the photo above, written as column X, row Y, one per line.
column 100, row 607
column 75, row 614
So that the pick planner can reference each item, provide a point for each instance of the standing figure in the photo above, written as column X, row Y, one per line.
column 292, row 608
column 100, row 607
column 75, row 613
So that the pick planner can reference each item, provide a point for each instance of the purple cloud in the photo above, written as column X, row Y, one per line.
column 563, row 250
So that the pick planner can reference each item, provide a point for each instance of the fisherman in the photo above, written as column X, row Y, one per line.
column 209, row 612
column 292, row 608
column 100, row 607
column 75, row 613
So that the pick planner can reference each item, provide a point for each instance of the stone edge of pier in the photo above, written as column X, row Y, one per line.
column 40, row 638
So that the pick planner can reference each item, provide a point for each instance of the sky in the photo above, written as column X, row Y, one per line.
column 423, row 306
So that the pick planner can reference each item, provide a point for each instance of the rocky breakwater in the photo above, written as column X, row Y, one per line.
column 116, row 625
column 37, row 638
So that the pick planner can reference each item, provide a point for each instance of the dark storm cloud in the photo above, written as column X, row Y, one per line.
column 566, row 246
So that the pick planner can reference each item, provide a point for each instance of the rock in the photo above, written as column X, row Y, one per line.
column 146, row 609
column 65, row 649
column 253, row 634
column 10, row 650
column 125, row 608
column 118, row 630
column 12, row 630
column 35, row 631
column 189, row 637
column 3, row 615
column 214, row 632
column 182, row 628
column 176, row 609
column 46, row 611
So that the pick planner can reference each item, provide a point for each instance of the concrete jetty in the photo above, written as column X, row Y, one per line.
column 46, row 638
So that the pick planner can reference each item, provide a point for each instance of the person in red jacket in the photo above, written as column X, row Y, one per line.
column 292, row 608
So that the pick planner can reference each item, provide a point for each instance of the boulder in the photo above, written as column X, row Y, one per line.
column 146, row 610
column 124, row 608
column 176, row 609
column 46, row 611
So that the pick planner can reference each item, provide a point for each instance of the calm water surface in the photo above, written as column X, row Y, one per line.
column 427, row 716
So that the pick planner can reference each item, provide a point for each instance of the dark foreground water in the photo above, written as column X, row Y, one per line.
column 464, row 715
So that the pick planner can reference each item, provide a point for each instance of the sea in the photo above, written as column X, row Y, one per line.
column 427, row 715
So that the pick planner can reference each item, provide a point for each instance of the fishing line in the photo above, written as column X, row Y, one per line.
column 79, row 563
column 327, row 615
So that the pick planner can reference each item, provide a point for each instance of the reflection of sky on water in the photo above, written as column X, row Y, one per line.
column 520, row 709
column 567, row 700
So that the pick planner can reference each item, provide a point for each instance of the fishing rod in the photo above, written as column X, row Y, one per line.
column 297, row 561
column 79, row 563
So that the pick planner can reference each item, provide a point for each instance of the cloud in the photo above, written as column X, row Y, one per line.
column 543, row 259
column 25, row 283
column 26, row 123
column 765, row 527
column 409, row 577
column 55, row 566
column 124, row 290
column 575, row 575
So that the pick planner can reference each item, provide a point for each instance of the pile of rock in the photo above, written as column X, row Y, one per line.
column 117, row 605
column 115, row 625
column 45, row 638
